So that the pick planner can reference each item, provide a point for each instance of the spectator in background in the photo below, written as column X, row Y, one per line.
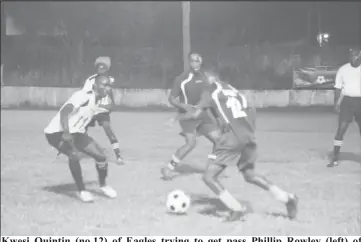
column 348, row 100
column 102, row 65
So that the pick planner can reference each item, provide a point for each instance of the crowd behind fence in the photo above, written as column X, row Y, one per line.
column 52, row 62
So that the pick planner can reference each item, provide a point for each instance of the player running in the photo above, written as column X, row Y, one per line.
column 184, row 95
column 236, row 145
column 102, row 116
column 348, row 100
column 67, row 133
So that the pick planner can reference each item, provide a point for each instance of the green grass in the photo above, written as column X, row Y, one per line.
column 37, row 192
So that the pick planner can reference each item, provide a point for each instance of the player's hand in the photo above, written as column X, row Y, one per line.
column 67, row 137
column 337, row 107
column 189, row 108
column 171, row 122
column 119, row 161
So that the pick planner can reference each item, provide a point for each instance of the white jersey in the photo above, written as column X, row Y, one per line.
column 85, row 107
column 348, row 79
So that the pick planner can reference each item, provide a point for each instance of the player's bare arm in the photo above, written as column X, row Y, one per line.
column 174, row 97
column 113, row 140
column 203, row 105
column 64, row 119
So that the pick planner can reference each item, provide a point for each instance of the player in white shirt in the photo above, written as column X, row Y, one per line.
column 348, row 100
column 102, row 117
column 67, row 132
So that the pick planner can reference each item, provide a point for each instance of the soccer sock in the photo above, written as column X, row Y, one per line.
column 174, row 162
column 212, row 156
column 116, row 148
column 102, row 169
column 279, row 194
column 337, row 144
column 230, row 201
column 75, row 170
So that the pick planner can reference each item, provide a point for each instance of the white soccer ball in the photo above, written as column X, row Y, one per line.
column 178, row 202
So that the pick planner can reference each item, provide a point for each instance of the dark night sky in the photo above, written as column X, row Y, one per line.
column 274, row 21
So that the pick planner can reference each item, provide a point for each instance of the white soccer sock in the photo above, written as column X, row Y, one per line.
column 212, row 156
column 230, row 201
column 338, row 143
column 279, row 194
column 174, row 162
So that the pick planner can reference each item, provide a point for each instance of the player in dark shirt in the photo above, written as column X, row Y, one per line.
column 236, row 145
column 185, row 94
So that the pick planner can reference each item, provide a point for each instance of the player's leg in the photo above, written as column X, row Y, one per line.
column 358, row 116
column 346, row 116
column 189, row 128
column 213, row 134
column 89, row 146
column 57, row 142
column 226, row 153
column 210, row 178
column 246, row 166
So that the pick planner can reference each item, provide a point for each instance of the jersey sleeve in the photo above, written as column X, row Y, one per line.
column 78, row 99
column 89, row 82
column 176, row 89
column 339, row 79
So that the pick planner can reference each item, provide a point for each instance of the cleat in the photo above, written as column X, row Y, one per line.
column 167, row 174
column 108, row 191
column 86, row 197
column 235, row 216
column 291, row 206
column 332, row 164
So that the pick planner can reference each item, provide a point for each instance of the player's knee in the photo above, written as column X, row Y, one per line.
column 73, row 158
column 101, row 157
column 208, row 178
column 248, row 175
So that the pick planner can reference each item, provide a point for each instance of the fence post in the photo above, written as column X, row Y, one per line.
column 2, row 71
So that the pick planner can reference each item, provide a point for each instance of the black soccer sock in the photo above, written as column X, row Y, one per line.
column 102, row 169
column 337, row 144
column 76, row 172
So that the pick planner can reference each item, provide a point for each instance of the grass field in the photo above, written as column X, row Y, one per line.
column 37, row 192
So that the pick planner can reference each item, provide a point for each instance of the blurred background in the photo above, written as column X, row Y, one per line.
column 253, row 45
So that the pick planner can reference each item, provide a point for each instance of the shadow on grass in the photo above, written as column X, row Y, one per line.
column 212, row 206
column 69, row 189
column 350, row 156
column 345, row 156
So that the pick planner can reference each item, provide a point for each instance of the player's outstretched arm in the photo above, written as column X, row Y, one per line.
column 175, row 93
column 194, row 113
column 104, row 121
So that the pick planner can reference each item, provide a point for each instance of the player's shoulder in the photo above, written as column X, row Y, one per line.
column 80, row 96
column 344, row 67
column 92, row 77
column 184, row 76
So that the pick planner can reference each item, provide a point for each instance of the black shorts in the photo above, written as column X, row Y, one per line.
column 350, row 108
column 81, row 141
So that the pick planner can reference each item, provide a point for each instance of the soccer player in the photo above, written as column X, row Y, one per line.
column 236, row 145
column 184, row 95
column 102, row 116
column 67, row 133
column 348, row 100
